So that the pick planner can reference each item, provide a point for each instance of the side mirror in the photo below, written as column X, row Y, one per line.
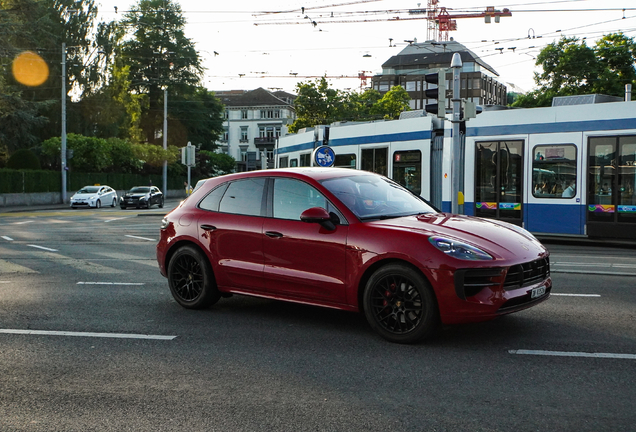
column 318, row 215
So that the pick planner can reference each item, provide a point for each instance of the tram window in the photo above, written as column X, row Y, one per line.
column 407, row 170
column 554, row 171
column 305, row 160
column 283, row 162
column 345, row 160
column 375, row 160
column 293, row 163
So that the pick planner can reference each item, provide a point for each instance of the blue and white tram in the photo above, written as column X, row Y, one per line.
column 568, row 170
column 565, row 170
column 397, row 149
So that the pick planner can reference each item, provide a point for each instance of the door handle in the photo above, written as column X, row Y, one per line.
column 208, row 227
column 273, row 234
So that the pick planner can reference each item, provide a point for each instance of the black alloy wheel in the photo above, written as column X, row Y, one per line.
column 400, row 304
column 191, row 279
column 114, row 203
column 161, row 203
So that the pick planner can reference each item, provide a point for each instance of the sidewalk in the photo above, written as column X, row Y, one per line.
column 169, row 204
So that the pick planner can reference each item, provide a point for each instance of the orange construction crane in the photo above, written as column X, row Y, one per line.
column 442, row 22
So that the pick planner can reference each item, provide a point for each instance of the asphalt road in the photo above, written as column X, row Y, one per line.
column 91, row 339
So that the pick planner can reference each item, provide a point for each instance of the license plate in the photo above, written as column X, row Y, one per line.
column 537, row 292
column 130, row 201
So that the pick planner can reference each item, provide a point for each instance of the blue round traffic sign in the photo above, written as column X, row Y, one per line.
column 324, row 156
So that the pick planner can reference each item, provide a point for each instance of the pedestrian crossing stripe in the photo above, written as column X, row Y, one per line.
column 79, row 264
column 9, row 267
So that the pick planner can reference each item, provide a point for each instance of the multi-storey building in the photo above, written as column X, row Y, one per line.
column 254, row 119
column 408, row 68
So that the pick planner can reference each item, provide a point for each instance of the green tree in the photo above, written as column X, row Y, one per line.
column 23, row 159
column 317, row 104
column 570, row 67
column 617, row 53
column 392, row 104
column 215, row 164
column 160, row 56
column 42, row 26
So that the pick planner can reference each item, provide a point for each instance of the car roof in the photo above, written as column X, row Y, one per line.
column 315, row 173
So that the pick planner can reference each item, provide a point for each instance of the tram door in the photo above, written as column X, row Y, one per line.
column 499, row 180
column 375, row 160
column 611, row 201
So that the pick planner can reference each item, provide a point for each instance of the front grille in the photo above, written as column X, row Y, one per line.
column 526, row 274
column 469, row 282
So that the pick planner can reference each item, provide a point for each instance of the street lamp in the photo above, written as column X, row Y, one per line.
column 457, row 165
column 63, row 133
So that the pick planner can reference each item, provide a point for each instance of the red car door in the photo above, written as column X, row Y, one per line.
column 232, row 230
column 302, row 260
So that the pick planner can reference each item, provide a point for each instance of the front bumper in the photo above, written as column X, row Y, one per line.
column 481, row 294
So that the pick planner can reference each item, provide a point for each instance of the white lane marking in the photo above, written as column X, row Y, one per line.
column 575, row 295
column 87, row 334
column 5, row 281
column 624, row 265
column 23, row 222
column 111, row 283
column 574, row 354
column 116, row 219
column 140, row 238
column 45, row 248
column 604, row 265
column 7, row 238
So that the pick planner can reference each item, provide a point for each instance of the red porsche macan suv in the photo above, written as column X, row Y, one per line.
column 350, row 240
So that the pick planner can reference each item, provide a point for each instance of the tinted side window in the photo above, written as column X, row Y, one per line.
column 212, row 200
column 244, row 197
column 292, row 197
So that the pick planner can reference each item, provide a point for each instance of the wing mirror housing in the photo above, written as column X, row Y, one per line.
column 318, row 215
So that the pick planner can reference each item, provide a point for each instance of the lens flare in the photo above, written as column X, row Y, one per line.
column 30, row 69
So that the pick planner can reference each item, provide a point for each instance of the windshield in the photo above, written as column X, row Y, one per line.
column 140, row 190
column 376, row 197
column 88, row 189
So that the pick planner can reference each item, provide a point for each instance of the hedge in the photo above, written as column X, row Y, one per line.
column 30, row 181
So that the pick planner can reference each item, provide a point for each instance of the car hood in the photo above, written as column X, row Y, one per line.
column 84, row 195
column 136, row 195
column 498, row 238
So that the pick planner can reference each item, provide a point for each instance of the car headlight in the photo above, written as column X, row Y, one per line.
column 143, row 198
column 164, row 223
column 92, row 198
column 459, row 250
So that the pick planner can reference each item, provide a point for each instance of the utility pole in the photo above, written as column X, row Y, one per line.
column 165, row 140
column 63, row 134
column 457, row 164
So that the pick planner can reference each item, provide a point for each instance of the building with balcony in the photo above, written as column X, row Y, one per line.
column 254, row 119
column 408, row 68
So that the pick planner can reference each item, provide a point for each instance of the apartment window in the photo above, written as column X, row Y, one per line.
column 243, row 133
column 270, row 113
column 410, row 86
column 226, row 135
column 244, row 114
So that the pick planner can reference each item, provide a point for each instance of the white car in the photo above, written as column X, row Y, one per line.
column 94, row 196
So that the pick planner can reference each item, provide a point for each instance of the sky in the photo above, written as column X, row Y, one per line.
column 272, row 44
